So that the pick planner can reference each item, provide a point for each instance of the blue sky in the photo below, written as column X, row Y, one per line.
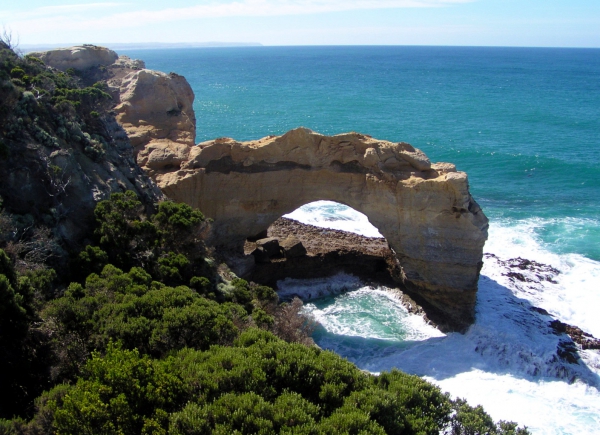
column 553, row 23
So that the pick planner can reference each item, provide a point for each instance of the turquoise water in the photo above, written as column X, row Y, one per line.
column 524, row 123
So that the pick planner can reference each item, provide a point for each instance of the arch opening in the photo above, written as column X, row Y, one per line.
column 319, row 239
column 424, row 210
column 334, row 215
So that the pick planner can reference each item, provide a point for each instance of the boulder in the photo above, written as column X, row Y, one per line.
column 292, row 247
column 260, row 255
column 80, row 57
column 270, row 246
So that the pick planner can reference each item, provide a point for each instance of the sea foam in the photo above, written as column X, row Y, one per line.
column 507, row 361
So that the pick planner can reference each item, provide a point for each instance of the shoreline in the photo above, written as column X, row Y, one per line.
column 331, row 251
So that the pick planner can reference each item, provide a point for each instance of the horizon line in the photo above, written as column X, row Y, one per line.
column 220, row 44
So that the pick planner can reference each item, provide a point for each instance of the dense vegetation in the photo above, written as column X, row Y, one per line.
column 48, row 106
column 142, row 332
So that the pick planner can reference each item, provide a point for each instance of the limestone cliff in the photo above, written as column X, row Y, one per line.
column 424, row 210
column 61, row 151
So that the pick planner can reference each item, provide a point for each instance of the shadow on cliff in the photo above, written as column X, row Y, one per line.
column 509, row 337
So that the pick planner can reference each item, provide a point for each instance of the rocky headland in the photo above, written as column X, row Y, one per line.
column 117, row 284
column 434, row 228
column 63, row 150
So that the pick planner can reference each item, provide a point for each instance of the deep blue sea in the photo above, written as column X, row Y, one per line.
column 524, row 123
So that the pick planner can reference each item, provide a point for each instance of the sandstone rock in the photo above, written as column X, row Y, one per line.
column 269, row 245
column 292, row 247
column 425, row 211
column 156, row 112
column 80, row 57
column 260, row 255
column 128, row 63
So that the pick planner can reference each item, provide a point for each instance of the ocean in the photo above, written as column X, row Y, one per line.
column 524, row 123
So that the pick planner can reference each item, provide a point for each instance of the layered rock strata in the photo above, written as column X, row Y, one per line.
column 424, row 210
column 154, row 108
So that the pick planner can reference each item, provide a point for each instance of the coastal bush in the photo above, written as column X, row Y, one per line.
column 48, row 106
column 167, row 244
column 141, row 313
column 259, row 385
column 23, row 351
column 121, row 392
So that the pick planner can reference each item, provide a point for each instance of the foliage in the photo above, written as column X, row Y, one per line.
column 48, row 105
column 143, row 314
column 259, row 385
column 290, row 325
column 475, row 421
column 22, row 354
column 167, row 244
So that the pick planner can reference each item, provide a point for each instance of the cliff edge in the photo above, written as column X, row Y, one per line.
column 424, row 210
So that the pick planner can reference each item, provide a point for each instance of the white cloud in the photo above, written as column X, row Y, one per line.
column 83, row 18
column 280, row 7
column 249, row 8
column 58, row 10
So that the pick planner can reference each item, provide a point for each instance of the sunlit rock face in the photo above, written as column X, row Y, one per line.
column 80, row 57
column 155, row 109
column 424, row 210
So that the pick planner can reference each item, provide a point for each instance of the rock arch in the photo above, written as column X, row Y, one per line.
column 424, row 210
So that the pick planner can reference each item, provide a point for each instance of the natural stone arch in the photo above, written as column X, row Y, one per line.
column 424, row 210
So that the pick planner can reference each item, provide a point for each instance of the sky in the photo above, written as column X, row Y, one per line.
column 530, row 23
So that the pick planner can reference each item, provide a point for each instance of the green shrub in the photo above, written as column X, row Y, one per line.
column 130, row 307
column 201, row 284
column 121, row 392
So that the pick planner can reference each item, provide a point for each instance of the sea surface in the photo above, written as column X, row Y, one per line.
column 524, row 123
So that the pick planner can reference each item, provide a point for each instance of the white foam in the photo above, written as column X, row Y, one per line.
column 574, row 299
column 547, row 407
column 507, row 361
column 329, row 214
column 307, row 289
column 373, row 313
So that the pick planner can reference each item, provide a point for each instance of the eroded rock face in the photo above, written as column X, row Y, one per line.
column 424, row 210
column 80, row 57
column 156, row 112
column 155, row 109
